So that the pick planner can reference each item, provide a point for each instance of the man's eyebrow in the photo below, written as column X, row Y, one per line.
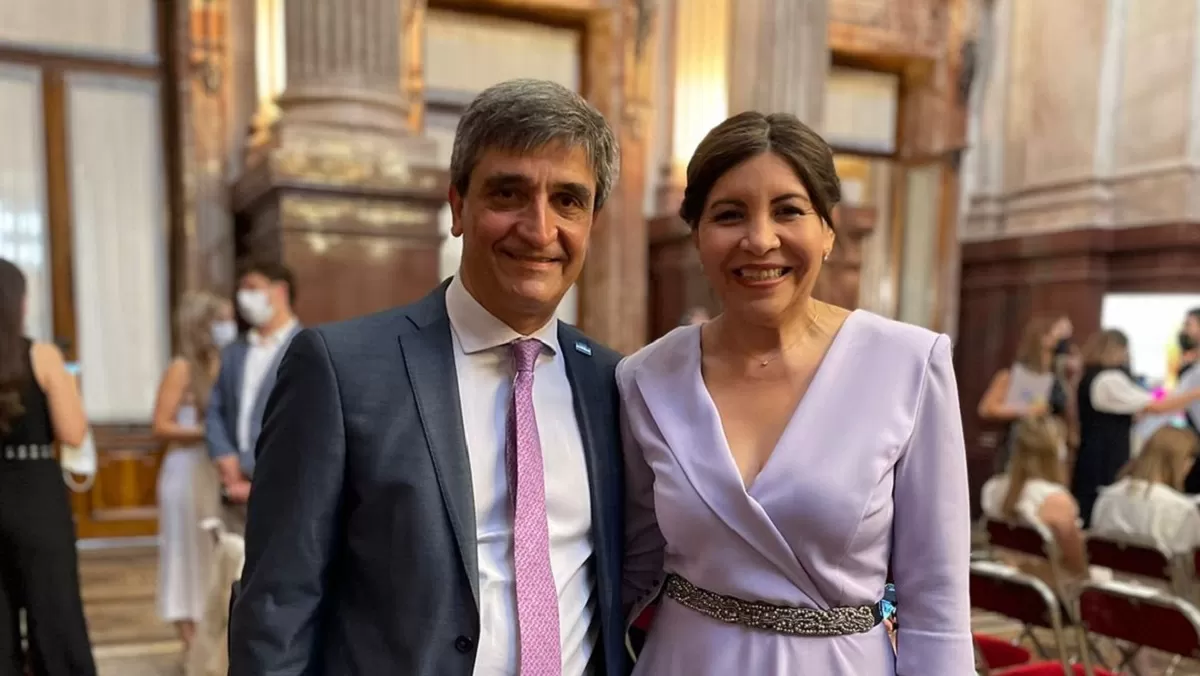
column 496, row 180
column 577, row 190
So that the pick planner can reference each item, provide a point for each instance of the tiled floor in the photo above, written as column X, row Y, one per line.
column 118, row 593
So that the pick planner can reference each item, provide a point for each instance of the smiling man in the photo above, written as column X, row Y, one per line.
column 438, row 489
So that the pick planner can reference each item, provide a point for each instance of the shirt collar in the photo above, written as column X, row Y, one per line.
column 258, row 340
column 478, row 330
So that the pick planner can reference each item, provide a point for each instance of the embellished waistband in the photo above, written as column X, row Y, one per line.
column 27, row 452
column 841, row 621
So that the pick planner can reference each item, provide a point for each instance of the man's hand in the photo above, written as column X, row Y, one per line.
column 238, row 492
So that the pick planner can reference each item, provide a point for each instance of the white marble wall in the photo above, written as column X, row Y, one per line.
column 1089, row 116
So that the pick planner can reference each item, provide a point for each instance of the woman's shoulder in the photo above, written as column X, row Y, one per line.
column 895, row 337
column 667, row 352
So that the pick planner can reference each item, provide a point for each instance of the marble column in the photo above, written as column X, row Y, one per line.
column 779, row 58
column 342, row 189
column 344, row 63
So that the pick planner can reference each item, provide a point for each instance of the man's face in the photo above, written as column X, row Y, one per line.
column 525, row 222
column 1192, row 328
column 260, row 298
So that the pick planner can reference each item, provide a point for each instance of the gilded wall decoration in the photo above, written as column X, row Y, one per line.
column 350, row 213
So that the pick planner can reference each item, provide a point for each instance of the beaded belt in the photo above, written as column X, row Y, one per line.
column 841, row 621
column 28, row 452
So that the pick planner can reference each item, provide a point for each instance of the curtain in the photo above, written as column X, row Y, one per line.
column 23, row 225
column 119, row 226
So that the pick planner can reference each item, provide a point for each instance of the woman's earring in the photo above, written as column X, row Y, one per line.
column 825, row 257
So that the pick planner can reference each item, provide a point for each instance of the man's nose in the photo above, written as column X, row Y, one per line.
column 539, row 228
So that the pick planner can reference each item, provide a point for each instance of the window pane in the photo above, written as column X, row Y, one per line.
column 112, row 28
column 119, row 222
column 23, row 236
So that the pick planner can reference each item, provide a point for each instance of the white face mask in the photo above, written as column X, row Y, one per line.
column 224, row 332
column 255, row 306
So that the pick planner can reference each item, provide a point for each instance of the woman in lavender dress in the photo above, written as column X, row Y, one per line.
column 784, row 456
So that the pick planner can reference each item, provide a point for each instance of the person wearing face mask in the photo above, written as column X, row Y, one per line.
column 187, row 483
column 266, row 292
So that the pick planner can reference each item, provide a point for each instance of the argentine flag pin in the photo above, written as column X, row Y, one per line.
column 582, row 348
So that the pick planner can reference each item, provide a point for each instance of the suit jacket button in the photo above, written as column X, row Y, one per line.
column 463, row 644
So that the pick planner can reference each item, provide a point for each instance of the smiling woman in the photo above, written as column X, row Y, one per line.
column 770, row 524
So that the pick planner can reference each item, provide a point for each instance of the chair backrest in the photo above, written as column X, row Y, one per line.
column 1131, row 559
column 1006, row 591
column 1141, row 615
column 1016, row 537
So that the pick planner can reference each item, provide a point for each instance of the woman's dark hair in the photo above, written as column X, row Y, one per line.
column 749, row 134
column 13, row 370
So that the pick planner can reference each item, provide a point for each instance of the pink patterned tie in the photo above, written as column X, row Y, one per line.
column 537, row 595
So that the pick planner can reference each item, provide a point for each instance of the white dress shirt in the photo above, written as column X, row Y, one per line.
column 262, row 353
column 484, row 368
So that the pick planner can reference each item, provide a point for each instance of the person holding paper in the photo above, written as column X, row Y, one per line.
column 1027, row 387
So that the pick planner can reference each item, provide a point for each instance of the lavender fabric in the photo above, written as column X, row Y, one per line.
column 870, row 470
column 537, row 595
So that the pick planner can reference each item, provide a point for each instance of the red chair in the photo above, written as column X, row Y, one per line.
column 1140, row 616
column 997, row 653
column 1051, row 669
column 1006, row 591
column 1018, row 538
column 1136, row 560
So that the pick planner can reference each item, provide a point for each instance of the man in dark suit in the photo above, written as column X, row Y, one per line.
column 439, row 486
column 266, row 291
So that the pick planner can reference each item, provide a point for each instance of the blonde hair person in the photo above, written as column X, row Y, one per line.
column 1032, row 492
column 1109, row 398
column 187, row 485
column 1146, row 505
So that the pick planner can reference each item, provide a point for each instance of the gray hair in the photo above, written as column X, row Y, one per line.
column 523, row 115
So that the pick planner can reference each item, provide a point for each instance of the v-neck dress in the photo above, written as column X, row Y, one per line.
column 870, row 472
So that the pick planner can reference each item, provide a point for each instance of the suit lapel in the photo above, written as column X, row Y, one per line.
column 429, row 357
column 593, row 416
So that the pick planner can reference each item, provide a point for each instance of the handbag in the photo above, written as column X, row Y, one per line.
column 79, row 460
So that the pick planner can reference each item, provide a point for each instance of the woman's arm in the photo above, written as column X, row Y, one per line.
column 644, row 544
column 166, row 407
column 1060, row 514
column 992, row 406
column 62, row 394
column 931, row 531
column 1113, row 391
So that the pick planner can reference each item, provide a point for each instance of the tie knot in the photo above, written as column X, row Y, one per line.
column 525, row 353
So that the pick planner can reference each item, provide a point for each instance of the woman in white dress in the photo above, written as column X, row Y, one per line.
column 1146, row 504
column 1033, row 492
column 187, row 484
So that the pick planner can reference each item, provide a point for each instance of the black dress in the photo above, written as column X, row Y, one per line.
column 38, row 562
column 1104, row 440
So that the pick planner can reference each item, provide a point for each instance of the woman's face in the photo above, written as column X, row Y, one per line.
column 761, row 243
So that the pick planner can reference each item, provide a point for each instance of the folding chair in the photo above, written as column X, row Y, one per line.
column 1142, row 617
column 1050, row 669
column 1019, row 538
column 1004, row 590
column 1143, row 561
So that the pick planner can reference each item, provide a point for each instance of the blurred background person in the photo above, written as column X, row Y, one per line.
column 1032, row 491
column 266, row 293
column 1109, row 398
column 188, row 491
column 1147, row 505
column 1029, row 387
column 39, row 405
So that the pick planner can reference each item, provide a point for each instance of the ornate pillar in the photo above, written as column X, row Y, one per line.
column 780, row 58
column 696, row 99
column 341, row 189
column 612, row 287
